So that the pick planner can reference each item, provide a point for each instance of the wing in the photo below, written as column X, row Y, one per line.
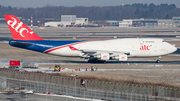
column 104, row 54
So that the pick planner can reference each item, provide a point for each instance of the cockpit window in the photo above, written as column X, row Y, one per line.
column 164, row 41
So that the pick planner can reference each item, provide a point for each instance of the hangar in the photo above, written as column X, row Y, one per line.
column 81, row 21
column 57, row 24
column 67, row 20
column 174, row 22
column 138, row 23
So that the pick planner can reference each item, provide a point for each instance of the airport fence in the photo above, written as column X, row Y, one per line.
column 55, row 84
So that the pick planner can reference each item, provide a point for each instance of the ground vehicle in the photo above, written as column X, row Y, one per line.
column 57, row 68
column 30, row 65
column 14, row 63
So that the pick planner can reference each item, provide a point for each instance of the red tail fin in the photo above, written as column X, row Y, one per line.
column 19, row 30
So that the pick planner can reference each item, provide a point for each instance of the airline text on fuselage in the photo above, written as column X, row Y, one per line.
column 145, row 47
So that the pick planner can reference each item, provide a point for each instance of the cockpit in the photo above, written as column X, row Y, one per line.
column 163, row 40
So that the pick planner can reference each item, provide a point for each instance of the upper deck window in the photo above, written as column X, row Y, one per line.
column 149, row 41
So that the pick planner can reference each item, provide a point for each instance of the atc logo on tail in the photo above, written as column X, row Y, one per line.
column 19, row 30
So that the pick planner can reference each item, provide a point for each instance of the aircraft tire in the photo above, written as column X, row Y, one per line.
column 158, row 61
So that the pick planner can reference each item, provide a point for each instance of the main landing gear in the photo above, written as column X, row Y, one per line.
column 158, row 60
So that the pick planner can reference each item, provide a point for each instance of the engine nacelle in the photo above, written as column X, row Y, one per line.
column 120, row 57
column 102, row 56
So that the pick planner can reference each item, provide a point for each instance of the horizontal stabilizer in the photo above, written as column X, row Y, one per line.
column 22, row 44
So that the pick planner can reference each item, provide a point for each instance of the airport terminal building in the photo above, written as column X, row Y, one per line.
column 174, row 22
column 138, row 23
column 71, row 20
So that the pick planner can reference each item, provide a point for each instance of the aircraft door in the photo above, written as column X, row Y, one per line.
column 141, row 41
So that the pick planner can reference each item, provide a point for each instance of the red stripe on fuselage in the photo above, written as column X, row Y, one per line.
column 72, row 48
column 47, row 51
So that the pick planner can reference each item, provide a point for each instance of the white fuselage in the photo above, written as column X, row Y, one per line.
column 137, row 47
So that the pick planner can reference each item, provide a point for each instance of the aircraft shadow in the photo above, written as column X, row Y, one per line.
column 144, row 62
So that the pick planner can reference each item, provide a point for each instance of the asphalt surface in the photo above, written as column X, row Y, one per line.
column 79, row 36
column 143, row 62
column 100, row 36
column 107, row 62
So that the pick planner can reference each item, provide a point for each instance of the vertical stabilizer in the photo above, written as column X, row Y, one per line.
column 19, row 30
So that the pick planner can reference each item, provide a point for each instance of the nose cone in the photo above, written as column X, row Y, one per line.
column 172, row 49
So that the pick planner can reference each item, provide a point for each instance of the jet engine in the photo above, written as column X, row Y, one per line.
column 120, row 57
column 102, row 56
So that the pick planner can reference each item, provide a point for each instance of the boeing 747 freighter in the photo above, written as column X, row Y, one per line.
column 115, row 49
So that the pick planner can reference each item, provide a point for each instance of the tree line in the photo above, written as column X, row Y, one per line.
column 94, row 13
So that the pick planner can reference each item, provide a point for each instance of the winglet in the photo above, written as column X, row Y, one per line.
column 19, row 30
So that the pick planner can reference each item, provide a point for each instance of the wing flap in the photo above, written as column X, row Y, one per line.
column 95, row 53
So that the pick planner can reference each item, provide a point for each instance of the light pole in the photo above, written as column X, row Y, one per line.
column 75, row 84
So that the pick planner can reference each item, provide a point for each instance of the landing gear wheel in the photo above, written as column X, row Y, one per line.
column 158, row 61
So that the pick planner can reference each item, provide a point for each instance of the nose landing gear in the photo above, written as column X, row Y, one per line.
column 158, row 60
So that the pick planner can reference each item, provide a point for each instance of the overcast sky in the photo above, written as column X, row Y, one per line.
column 72, row 3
